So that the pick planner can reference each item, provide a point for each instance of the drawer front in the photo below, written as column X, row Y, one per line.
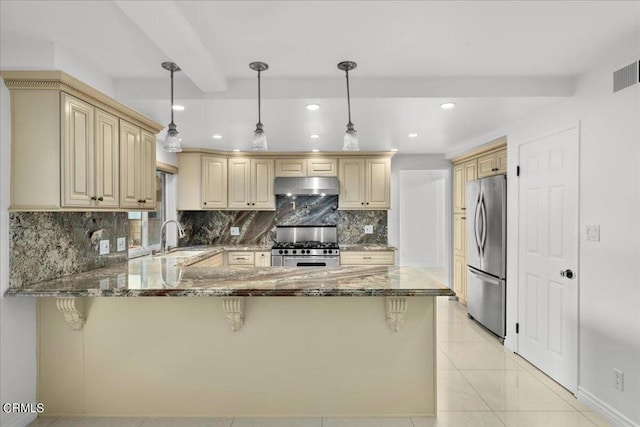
column 291, row 167
column 240, row 258
column 323, row 167
column 368, row 258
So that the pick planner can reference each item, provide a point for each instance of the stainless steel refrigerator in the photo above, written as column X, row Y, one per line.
column 486, row 251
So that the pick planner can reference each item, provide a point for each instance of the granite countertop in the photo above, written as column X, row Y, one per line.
column 170, row 275
column 366, row 247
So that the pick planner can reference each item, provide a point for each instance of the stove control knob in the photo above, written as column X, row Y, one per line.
column 294, row 251
column 324, row 251
column 330, row 251
column 280, row 251
column 286, row 251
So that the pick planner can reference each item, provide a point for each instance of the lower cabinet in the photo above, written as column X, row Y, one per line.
column 262, row 259
column 214, row 261
column 368, row 258
column 241, row 258
column 460, row 278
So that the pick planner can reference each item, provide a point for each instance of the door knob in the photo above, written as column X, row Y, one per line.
column 567, row 273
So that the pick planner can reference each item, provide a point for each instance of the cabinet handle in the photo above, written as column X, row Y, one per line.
column 248, row 204
column 463, row 217
column 362, row 203
column 366, row 257
column 464, row 209
column 367, row 202
column 100, row 199
column 93, row 198
column 252, row 203
column 204, row 203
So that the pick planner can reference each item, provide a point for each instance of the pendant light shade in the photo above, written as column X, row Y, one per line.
column 259, row 137
column 351, row 135
column 171, row 141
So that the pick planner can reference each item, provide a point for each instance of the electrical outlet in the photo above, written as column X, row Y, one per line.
column 235, row 231
column 122, row 280
column 618, row 380
column 368, row 229
column 122, row 244
column 593, row 233
column 104, row 247
column 104, row 284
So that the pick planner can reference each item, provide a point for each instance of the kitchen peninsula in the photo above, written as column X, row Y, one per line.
column 277, row 341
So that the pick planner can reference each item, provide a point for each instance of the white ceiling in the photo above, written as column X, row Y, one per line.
column 498, row 61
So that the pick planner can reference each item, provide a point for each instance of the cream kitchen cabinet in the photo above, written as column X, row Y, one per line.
column 90, row 160
column 365, row 183
column 262, row 259
column 460, row 278
column 214, row 182
column 301, row 167
column 65, row 143
column 367, row 258
column 459, row 234
column 251, row 184
column 493, row 164
column 137, row 168
column 216, row 260
column 241, row 258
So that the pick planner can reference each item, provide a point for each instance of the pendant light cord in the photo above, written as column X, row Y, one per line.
column 259, row 120
column 171, row 95
column 348, row 95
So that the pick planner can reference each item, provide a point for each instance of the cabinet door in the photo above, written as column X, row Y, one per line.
column 130, row 155
column 77, row 152
column 460, row 278
column 322, row 167
column 148, row 186
column 352, row 178
column 291, row 167
column 239, row 196
column 501, row 160
column 471, row 170
column 377, row 184
column 458, row 188
column 262, row 184
column 214, row 182
column 262, row 259
column 459, row 234
column 190, row 182
column 107, row 160
column 487, row 165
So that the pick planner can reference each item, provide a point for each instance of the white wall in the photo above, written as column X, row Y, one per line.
column 17, row 315
column 609, row 270
column 417, row 162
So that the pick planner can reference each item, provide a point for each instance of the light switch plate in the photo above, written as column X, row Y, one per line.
column 235, row 231
column 593, row 233
column 104, row 284
column 122, row 280
column 122, row 244
column 104, row 247
column 368, row 229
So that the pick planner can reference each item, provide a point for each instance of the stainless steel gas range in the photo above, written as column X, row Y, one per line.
column 306, row 246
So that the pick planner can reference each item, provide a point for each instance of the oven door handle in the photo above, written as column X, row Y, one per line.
column 311, row 264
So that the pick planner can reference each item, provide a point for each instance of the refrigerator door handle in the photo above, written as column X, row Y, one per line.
column 475, row 226
column 483, row 211
column 484, row 277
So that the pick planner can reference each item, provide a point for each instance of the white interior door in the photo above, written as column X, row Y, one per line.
column 548, row 247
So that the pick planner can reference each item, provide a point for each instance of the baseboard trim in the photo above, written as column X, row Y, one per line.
column 21, row 420
column 605, row 410
column 510, row 345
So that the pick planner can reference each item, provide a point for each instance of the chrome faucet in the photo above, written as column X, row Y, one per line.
column 163, row 233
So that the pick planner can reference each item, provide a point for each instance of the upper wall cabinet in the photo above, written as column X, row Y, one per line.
column 138, row 168
column 314, row 166
column 492, row 164
column 365, row 183
column 251, row 184
column 66, row 145
column 214, row 182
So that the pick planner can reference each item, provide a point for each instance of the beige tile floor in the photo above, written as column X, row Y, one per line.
column 480, row 383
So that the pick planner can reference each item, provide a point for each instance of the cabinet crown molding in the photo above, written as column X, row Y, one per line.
column 495, row 145
column 59, row 80
column 289, row 154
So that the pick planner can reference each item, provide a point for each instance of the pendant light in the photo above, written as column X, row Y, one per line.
column 351, row 136
column 259, row 137
column 171, row 141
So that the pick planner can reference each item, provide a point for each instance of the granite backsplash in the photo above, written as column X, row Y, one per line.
column 259, row 227
column 49, row 245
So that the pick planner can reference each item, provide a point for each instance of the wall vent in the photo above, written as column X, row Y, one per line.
column 626, row 76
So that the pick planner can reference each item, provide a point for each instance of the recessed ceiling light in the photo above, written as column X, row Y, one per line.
column 236, row 149
column 313, row 107
column 393, row 149
column 314, row 136
column 177, row 107
column 315, row 150
column 216, row 136
column 180, row 139
column 448, row 105
column 412, row 135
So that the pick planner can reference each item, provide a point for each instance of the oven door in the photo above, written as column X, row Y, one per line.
column 310, row 261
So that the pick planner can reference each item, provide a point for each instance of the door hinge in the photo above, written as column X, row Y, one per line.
column 517, row 170
column 517, row 328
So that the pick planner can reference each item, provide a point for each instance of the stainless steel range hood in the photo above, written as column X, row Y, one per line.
column 307, row 186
